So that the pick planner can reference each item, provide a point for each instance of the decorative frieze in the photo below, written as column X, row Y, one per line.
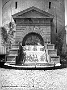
column 31, row 21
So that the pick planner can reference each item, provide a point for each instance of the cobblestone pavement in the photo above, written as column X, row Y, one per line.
column 33, row 79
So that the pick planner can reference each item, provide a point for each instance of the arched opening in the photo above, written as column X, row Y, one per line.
column 33, row 39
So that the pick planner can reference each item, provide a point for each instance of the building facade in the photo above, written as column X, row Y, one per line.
column 45, row 18
column 37, row 23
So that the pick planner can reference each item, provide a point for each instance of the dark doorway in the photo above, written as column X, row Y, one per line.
column 32, row 39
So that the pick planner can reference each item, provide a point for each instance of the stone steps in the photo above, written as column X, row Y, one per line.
column 15, row 46
column 30, row 66
column 38, row 64
column 55, row 59
column 13, row 53
column 51, row 54
column 11, row 62
column 50, row 46
column 11, row 59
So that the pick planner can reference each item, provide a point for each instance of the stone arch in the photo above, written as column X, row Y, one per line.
column 32, row 38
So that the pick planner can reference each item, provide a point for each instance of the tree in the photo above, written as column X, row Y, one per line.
column 4, row 35
column 7, row 37
column 60, row 41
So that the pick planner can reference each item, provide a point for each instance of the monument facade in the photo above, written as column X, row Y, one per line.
column 50, row 14
column 37, row 22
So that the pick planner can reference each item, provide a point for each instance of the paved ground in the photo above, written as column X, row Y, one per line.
column 11, row 79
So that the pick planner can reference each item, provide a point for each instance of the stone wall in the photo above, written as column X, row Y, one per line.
column 22, row 29
column 44, row 31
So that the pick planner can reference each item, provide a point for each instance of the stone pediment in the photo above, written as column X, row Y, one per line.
column 32, row 12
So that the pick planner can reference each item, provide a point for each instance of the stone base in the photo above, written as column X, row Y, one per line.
column 55, row 59
column 35, row 56
column 33, row 66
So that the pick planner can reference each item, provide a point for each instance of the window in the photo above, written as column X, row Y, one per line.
column 49, row 5
column 15, row 5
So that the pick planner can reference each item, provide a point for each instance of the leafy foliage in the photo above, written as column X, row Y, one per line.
column 4, row 35
column 59, row 44
column 7, row 37
column 60, row 41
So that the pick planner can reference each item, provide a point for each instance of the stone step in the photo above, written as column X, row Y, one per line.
column 55, row 59
column 11, row 62
column 26, row 66
column 50, row 46
column 12, row 49
column 15, row 46
column 38, row 64
column 52, row 52
column 11, row 57
column 13, row 52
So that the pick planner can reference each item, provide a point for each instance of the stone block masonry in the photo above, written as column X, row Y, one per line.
column 44, row 31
